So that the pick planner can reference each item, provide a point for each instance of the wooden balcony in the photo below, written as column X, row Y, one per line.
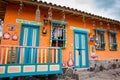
column 29, row 60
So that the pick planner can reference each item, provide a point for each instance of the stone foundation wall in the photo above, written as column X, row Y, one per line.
column 95, row 66
column 99, row 65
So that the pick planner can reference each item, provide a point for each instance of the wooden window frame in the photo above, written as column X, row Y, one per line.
column 113, row 46
column 100, row 39
column 57, row 38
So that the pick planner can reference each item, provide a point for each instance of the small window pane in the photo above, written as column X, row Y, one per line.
column 100, row 44
column 58, row 37
column 112, row 41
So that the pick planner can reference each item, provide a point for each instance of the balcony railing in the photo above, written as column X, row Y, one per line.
column 38, row 60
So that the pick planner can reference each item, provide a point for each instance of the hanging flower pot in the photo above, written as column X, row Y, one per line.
column 37, row 17
column 45, row 20
column 20, row 9
column 50, row 14
column 15, row 37
column 6, row 36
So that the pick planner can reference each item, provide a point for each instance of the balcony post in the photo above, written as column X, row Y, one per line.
column 11, row 54
column 2, row 53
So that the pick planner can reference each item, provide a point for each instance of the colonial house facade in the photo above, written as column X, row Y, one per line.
column 40, row 38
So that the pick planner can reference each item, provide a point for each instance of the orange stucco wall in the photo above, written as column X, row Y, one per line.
column 29, row 14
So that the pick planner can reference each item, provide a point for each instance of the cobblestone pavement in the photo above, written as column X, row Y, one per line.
column 113, row 74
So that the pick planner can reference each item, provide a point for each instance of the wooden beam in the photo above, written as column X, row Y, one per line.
column 3, row 2
column 2, row 11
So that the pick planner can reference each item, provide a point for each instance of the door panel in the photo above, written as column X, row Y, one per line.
column 81, row 50
column 77, row 58
column 29, row 37
column 25, row 36
column 83, row 41
column 76, row 40
column 34, row 38
column 77, row 52
column 83, row 58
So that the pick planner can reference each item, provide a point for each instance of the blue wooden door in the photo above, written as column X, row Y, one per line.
column 80, row 49
column 29, row 37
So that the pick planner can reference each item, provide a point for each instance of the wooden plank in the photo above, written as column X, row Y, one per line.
column 17, row 55
column 52, row 55
column 56, row 55
column 6, row 55
column 38, row 56
column 3, row 2
column 2, row 11
column 45, row 56
column 32, row 55
column 11, row 55
column 2, row 54
column 41, row 56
